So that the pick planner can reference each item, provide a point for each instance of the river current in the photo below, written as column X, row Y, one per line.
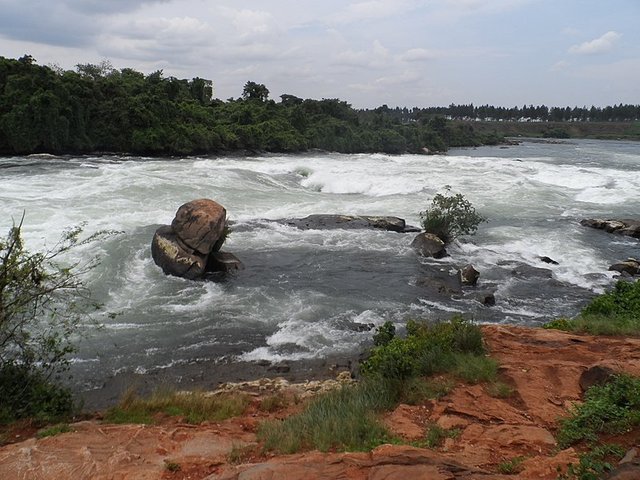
column 313, row 293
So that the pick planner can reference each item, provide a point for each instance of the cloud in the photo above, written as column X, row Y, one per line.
column 372, row 9
column 602, row 44
column 418, row 55
column 378, row 57
column 107, row 6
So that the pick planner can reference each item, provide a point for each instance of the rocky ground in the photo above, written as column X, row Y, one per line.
column 542, row 366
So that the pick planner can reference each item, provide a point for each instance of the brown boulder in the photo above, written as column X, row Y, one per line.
column 174, row 257
column 630, row 266
column 469, row 275
column 200, row 224
column 429, row 245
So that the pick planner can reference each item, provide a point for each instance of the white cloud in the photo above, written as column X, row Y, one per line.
column 378, row 57
column 372, row 9
column 602, row 44
column 418, row 55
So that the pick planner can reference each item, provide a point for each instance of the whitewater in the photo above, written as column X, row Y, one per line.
column 314, row 293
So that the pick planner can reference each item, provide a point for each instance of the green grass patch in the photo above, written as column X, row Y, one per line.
column 613, row 313
column 418, row 390
column 436, row 435
column 511, row 466
column 610, row 408
column 240, row 453
column 171, row 466
column 54, row 430
column 273, row 403
column 343, row 419
column 194, row 407
column 594, row 464
column 499, row 389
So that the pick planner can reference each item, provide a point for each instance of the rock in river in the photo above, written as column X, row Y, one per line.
column 189, row 247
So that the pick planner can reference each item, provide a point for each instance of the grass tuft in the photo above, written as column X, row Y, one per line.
column 54, row 430
column 511, row 466
column 194, row 407
column 436, row 435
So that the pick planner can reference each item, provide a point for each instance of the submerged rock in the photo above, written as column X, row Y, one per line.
column 328, row 222
column 628, row 227
column 469, row 275
column 630, row 266
column 429, row 245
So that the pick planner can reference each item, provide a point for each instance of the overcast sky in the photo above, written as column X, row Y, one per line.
column 369, row 53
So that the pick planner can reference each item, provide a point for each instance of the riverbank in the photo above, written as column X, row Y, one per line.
column 496, row 436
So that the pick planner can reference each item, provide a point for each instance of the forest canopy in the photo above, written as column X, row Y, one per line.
column 100, row 109
column 97, row 108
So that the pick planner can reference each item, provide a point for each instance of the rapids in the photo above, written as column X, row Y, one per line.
column 312, row 293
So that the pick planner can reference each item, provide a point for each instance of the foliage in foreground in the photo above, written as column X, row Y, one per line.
column 450, row 216
column 613, row 313
column 345, row 419
column 194, row 407
column 610, row 408
column 42, row 303
column 594, row 464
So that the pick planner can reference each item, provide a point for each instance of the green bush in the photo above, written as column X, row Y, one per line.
column 612, row 313
column 451, row 216
column 610, row 408
column 427, row 349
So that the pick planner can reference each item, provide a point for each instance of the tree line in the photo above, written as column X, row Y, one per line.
column 541, row 113
column 97, row 108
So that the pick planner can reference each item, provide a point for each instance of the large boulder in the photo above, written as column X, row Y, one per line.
column 429, row 245
column 189, row 247
column 174, row 257
column 200, row 224
column 469, row 275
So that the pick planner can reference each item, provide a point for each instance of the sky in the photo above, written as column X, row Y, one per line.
column 369, row 52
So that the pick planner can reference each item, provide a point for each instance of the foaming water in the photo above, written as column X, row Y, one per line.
column 313, row 293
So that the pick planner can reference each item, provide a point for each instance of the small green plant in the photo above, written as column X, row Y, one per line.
column 475, row 368
column 417, row 390
column 195, row 407
column 54, row 430
column 610, row 408
column 240, row 453
column 384, row 334
column 499, row 389
column 273, row 403
column 436, row 435
column 171, row 466
column 593, row 465
column 450, row 216
column 511, row 466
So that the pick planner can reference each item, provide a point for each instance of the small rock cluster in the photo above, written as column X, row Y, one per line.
column 190, row 246
column 628, row 227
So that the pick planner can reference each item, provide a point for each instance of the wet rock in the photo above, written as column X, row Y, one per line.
column 223, row 262
column 630, row 266
column 627, row 471
column 485, row 298
column 189, row 247
column 174, row 257
column 329, row 222
column 595, row 375
column 200, row 224
column 429, row 245
column 441, row 283
column 469, row 275
column 528, row 271
column 548, row 260
column 628, row 227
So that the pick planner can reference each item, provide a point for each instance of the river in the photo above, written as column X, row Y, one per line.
column 313, row 293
